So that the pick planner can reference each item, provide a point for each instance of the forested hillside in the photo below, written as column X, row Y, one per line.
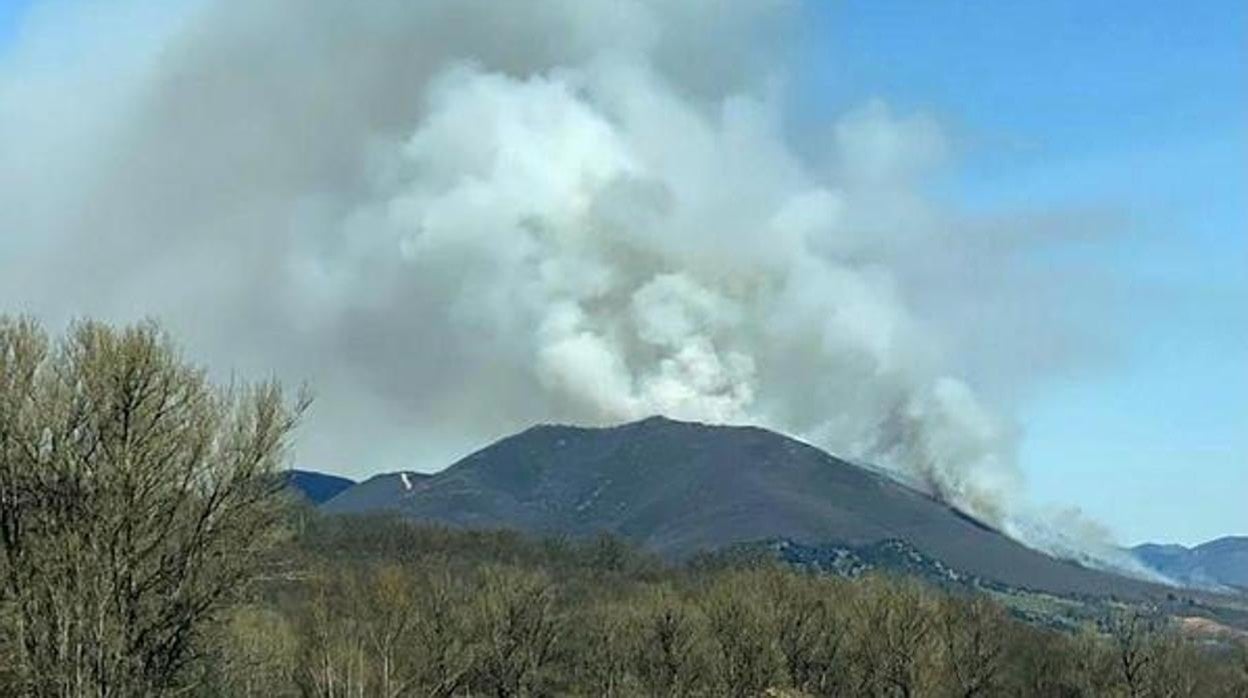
column 379, row 607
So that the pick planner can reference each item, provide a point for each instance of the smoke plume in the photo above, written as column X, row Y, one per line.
column 455, row 219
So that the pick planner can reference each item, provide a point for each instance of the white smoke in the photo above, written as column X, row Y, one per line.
column 459, row 218
column 643, row 256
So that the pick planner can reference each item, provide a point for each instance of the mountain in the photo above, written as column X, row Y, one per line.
column 1218, row 563
column 318, row 488
column 378, row 493
column 678, row 488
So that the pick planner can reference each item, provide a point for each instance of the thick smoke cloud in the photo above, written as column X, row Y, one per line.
column 456, row 219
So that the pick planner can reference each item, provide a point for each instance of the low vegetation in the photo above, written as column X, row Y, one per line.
column 379, row 607
column 147, row 549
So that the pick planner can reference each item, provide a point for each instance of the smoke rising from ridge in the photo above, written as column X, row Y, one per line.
column 456, row 219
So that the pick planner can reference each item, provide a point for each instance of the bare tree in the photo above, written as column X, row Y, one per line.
column 390, row 614
column 334, row 653
column 442, row 635
column 255, row 655
column 1178, row 671
column 1236, row 674
column 604, row 648
column 893, row 633
column 670, row 659
column 972, row 638
column 810, row 631
column 136, row 499
column 517, row 629
column 1040, row 663
column 744, row 632
column 389, row 630
column 1241, row 655
column 1133, row 634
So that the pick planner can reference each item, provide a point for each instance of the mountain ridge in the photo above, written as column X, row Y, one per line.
column 315, row 486
column 1221, row 562
column 678, row 488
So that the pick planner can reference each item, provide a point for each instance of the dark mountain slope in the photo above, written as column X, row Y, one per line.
column 677, row 488
column 1221, row 562
column 317, row 488
column 376, row 494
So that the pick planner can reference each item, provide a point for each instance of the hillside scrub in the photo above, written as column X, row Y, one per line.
column 383, row 607
column 377, row 606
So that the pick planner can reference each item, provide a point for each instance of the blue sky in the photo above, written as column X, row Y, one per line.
column 1139, row 109
column 10, row 12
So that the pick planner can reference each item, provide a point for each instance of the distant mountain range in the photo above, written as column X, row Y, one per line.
column 317, row 488
column 678, row 488
column 1218, row 563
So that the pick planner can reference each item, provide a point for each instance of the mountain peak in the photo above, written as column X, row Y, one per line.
column 656, row 421
column 662, row 421
column 678, row 488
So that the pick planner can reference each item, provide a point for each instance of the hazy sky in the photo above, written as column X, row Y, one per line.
column 1123, row 127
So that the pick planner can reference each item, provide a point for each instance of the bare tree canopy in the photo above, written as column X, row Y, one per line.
column 135, row 500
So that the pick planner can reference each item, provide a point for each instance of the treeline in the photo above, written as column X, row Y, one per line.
column 148, row 548
column 379, row 607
